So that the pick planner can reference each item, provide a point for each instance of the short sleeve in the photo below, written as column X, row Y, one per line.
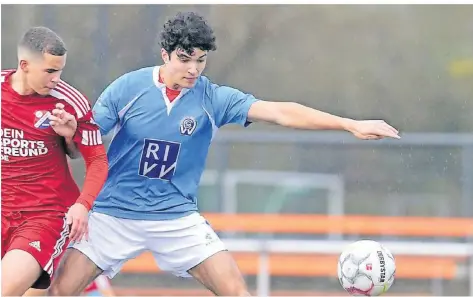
column 106, row 109
column 230, row 106
column 88, row 133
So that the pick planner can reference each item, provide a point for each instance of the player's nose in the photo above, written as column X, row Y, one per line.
column 55, row 79
column 193, row 71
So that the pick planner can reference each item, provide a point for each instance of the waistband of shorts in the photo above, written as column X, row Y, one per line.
column 18, row 214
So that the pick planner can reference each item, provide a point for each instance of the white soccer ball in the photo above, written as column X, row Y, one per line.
column 366, row 268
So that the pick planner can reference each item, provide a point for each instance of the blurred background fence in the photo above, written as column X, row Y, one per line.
column 409, row 65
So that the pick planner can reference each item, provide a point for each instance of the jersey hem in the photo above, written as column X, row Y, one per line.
column 131, row 215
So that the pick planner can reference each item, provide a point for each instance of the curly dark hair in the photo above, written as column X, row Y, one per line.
column 187, row 31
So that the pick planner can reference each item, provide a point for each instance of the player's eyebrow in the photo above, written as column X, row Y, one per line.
column 182, row 55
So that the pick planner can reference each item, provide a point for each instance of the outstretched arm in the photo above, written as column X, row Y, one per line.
column 298, row 116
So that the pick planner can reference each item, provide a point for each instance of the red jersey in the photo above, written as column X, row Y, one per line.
column 35, row 172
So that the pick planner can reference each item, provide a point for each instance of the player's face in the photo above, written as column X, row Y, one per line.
column 185, row 68
column 43, row 72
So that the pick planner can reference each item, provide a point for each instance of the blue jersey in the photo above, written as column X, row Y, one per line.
column 159, row 148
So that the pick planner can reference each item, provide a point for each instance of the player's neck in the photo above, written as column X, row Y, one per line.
column 19, row 84
column 166, row 79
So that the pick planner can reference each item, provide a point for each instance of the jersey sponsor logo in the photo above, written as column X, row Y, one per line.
column 14, row 144
column 41, row 119
column 159, row 159
column 188, row 125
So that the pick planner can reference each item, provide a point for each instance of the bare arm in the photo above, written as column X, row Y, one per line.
column 298, row 116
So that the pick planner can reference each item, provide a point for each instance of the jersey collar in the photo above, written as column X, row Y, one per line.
column 159, row 84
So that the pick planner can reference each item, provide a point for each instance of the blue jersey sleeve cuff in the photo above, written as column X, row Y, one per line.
column 247, row 105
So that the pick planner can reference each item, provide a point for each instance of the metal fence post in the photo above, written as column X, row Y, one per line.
column 467, row 181
column 263, row 282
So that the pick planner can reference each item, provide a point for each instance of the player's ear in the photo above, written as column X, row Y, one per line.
column 24, row 65
column 165, row 56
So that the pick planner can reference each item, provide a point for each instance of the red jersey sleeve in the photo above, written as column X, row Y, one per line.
column 87, row 134
column 89, row 142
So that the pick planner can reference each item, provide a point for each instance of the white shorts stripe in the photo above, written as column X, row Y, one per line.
column 58, row 247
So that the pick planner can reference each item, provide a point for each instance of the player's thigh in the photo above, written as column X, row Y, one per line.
column 20, row 270
column 36, row 292
column 112, row 241
column 192, row 248
column 75, row 272
column 5, row 233
column 38, row 239
column 220, row 274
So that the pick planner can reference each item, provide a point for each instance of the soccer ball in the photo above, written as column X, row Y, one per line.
column 366, row 268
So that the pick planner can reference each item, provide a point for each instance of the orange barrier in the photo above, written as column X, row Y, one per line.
column 119, row 291
column 350, row 225
column 297, row 265
column 408, row 267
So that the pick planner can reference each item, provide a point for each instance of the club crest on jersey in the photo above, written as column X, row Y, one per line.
column 188, row 125
column 41, row 119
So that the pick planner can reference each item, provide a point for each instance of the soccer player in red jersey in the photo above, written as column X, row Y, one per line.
column 42, row 207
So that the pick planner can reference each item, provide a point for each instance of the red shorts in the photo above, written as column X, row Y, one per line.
column 44, row 235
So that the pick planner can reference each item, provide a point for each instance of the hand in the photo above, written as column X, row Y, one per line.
column 62, row 122
column 78, row 219
column 372, row 130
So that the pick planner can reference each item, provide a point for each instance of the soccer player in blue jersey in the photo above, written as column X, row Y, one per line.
column 163, row 120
